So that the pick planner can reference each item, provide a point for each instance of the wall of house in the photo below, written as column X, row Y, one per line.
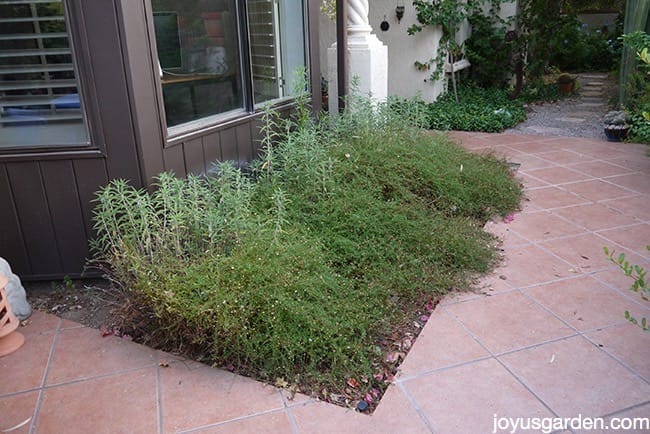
column 46, row 197
column 403, row 50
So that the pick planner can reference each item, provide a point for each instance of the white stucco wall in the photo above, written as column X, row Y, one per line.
column 403, row 50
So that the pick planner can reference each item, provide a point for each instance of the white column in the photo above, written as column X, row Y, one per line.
column 368, row 57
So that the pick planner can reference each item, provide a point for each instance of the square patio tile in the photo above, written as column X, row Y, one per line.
column 636, row 206
column 530, row 162
column 39, row 323
column 628, row 343
column 466, row 398
column 600, row 169
column 529, row 181
column 123, row 403
column 639, row 182
column 503, row 231
column 25, row 368
column 616, row 279
column 558, row 175
column 639, row 163
column 584, row 302
column 634, row 238
column 506, row 322
column 276, row 422
column 84, row 353
column 442, row 342
column 639, row 426
column 322, row 418
column 565, row 157
column 17, row 409
column 596, row 190
column 395, row 414
column 584, row 252
column 531, row 145
column 530, row 265
column 595, row 216
column 575, row 377
column 553, row 197
column 194, row 396
column 543, row 226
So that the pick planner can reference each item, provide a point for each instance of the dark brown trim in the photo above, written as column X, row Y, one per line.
column 225, row 124
column 62, row 154
column 313, row 55
column 342, row 51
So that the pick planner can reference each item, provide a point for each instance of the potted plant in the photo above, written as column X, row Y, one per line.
column 617, row 125
column 565, row 82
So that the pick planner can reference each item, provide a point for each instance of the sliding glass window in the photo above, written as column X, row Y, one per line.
column 199, row 58
column 200, row 45
column 277, row 44
column 39, row 93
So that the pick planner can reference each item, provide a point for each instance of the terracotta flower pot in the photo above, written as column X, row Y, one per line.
column 10, row 340
column 566, row 88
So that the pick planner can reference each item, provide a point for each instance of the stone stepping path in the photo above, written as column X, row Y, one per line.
column 578, row 116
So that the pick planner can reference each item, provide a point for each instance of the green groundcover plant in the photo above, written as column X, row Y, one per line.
column 477, row 109
column 305, row 269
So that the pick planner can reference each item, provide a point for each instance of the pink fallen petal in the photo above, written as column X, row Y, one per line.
column 369, row 399
column 392, row 357
column 378, row 377
column 424, row 318
column 509, row 218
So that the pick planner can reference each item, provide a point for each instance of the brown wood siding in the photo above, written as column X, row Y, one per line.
column 46, row 196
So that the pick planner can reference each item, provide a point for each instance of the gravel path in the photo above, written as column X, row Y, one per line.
column 578, row 116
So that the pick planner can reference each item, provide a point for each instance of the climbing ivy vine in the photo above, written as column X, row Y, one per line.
column 448, row 15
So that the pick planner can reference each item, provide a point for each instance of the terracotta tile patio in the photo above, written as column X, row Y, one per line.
column 543, row 336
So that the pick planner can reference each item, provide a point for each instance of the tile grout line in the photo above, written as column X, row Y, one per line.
column 289, row 413
column 524, row 385
column 632, row 407
column 616, row 359
column 42, row 388
column 417, row 408
column 236, row 419
column 97, row 377
column 159, row 410
column 623, row 293
column 578, row 333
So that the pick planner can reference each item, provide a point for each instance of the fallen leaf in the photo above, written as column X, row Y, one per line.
column 163, row 364
column 20, row 425
column 105, row 331
column 353, row 383
column 281, row 383
column 407, row 343
column 584, row 257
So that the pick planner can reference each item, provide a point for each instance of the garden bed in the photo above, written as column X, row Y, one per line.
column 315, row 269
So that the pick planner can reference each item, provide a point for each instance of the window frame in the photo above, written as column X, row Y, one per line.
column 93, row 146
column 177, row 134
